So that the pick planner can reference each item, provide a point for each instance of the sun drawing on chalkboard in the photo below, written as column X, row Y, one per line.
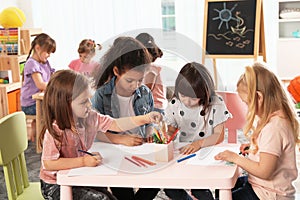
column 225, row 15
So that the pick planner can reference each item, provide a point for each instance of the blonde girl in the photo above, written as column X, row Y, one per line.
column 273, row 130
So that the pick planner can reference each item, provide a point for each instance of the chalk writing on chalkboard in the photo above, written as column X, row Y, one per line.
column 231, row 27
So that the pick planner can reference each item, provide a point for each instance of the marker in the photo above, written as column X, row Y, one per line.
column 187, row 157
column 86, row 152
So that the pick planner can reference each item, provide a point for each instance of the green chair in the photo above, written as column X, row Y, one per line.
column 13, row 143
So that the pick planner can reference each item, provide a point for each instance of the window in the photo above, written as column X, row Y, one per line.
column 168, row 15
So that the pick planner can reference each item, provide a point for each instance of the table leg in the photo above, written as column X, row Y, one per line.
column 66, row 192
column 38, row 123
column 225, row 194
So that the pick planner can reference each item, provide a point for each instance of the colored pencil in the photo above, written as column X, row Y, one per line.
column 187, row 157
column 140, row 162
column 143, row 160
column 173, row 135
column 86, row 152
column 137, row 164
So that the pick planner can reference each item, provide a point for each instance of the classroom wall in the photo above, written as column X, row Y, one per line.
column 70, row 21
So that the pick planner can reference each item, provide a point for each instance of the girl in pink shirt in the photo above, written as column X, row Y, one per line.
column 71, row 126
column 85, row 64
column 152, row 76
column 273, row 130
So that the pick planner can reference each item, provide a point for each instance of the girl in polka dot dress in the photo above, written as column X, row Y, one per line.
column 198, row 113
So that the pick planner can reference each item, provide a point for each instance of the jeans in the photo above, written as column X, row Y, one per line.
column 177, row 194
column 243, row 190
column 128, row 193
column 52, row 192
column 29, row 110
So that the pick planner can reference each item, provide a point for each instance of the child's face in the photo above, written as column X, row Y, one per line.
column 189, row 101
column 85, row 57
column 42, row 55
column 81, row 105
column 128, row 82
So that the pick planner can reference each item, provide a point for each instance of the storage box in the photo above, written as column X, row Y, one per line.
column 164, row 152
column 6, row 75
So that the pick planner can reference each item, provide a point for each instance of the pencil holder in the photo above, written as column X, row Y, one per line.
column 164, row 152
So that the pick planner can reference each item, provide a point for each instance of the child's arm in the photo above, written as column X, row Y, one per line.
column 216, row 138
column 150, row 80
column 69, row 163
column 127, row 123
column 263, row 169
column 125, row 139
column 38, row 81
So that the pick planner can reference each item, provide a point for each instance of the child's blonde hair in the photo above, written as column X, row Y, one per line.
column 258, row 78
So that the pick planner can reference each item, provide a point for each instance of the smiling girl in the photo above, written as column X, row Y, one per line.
column 36, row 74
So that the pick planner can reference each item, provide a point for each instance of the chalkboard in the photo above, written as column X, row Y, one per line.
column 232, row 28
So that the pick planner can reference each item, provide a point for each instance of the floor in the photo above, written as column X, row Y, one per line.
column 33, row 167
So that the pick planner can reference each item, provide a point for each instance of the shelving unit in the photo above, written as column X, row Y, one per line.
column 10, row 93
column 288, row 59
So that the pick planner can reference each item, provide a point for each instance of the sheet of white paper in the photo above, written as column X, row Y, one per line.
column 206, row 155
column 99, row 170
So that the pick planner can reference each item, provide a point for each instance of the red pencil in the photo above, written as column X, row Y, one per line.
column 143, row 160
column 137, row 164
column 173, row 136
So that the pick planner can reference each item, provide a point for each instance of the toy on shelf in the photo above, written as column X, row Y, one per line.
column 12, row 17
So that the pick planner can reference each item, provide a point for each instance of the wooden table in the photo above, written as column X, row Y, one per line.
column 173, row 175
column 39, row 100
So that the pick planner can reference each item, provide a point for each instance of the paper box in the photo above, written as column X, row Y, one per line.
column 164, row 152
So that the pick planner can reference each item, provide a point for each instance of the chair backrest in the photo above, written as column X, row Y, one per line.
column 13, row 143
column 238, row 109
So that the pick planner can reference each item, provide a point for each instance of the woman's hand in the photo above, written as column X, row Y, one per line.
column 92, row 161
column 190, row 148
column 227, row 156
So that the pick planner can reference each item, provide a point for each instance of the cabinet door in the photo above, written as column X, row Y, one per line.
column 11, row 63
column 288, row 58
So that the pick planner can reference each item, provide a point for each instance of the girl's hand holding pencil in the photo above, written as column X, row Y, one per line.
column 91, row 160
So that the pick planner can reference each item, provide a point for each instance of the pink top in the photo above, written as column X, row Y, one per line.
column 158, row 90
column 81, row 67
column 72, row 142
column 276, row 138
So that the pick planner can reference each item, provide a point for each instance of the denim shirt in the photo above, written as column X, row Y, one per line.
column 105, row 101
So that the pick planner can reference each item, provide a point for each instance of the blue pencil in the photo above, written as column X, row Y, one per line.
column 187, row 157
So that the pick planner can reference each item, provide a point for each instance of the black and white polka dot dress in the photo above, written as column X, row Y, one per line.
column 191, row 121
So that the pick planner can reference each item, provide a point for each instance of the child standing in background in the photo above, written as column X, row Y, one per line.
column 199, row 114
column 120, row 93
column 71, row 125
column 273, row 130
column 36, row 74
column 85, row 64
column 152, row 78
